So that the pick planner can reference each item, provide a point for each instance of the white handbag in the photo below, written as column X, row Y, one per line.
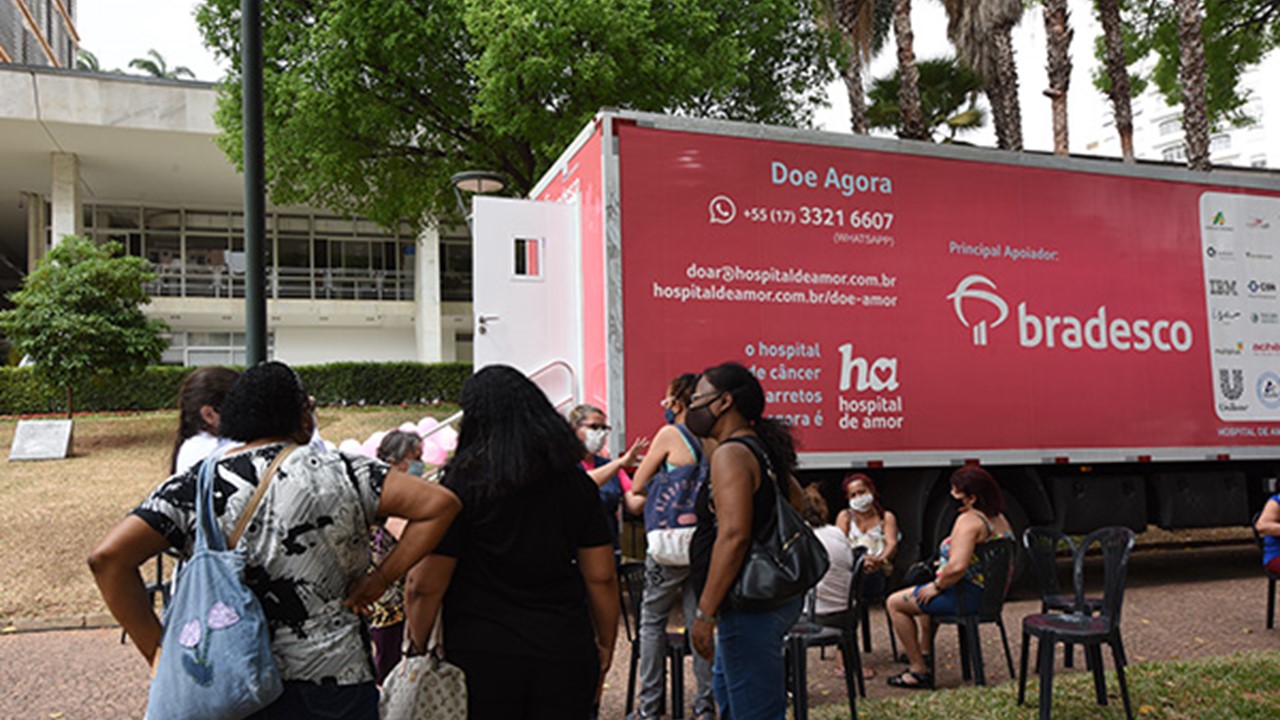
column 424, row 687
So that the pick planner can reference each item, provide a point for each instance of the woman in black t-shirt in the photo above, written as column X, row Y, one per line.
column 526, row 572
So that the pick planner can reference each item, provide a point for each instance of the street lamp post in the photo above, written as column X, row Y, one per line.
column 472, row 183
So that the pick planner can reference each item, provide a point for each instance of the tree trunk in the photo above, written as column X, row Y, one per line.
column 1195, row 115
column 1005, row 109
column 857, row 93
column 68, row 403
column 1118, row 72
column 1058, row 33
column 908, row 76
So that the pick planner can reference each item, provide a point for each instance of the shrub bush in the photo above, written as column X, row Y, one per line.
column 347, row 383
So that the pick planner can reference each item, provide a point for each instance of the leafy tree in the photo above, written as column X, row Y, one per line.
column 87, row 61
column 78, row 315
column 948, row 99
column 1236, row 33
column 155, row 66
column 369, row 108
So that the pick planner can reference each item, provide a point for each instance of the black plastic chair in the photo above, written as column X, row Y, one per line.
column 1043, row 546
column 1081, row 627
column 631, row 591
column 995, row 558
column 809, row 633
column 1272, row 578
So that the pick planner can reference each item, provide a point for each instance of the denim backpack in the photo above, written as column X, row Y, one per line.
column 216, row 662
column 669, row 519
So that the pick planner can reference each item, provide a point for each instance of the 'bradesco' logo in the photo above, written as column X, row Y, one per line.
column 965, row 290
column 1097, row 331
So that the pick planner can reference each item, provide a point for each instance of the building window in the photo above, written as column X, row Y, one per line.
column 1174, row 153
column 198, row 348
column 1219, row 143
column 1258, row 161
column 455, row 269
column 1170, row 126
column 199, row 253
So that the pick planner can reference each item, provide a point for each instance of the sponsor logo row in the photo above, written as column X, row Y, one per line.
column 1258, row 349
column 1232, row 386
column 1224, row 316
column 1254, row 288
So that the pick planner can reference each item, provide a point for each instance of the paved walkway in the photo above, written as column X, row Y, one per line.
column 1180, row 604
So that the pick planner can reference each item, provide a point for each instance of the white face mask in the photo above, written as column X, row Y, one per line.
column 861, row 503
column 595, row 440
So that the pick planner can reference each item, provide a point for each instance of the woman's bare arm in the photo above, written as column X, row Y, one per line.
column 599, row 575
column 115, row 562
column 424, row 590
column 429, row 509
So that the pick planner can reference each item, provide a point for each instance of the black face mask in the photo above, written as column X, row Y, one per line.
column 957, row 504
column 701, row 419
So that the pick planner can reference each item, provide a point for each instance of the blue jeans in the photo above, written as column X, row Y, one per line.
column 749, row 675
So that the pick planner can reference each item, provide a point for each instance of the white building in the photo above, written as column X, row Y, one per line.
column 1158, row 133
column 133, row 160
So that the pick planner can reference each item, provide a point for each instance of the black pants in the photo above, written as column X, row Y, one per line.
column 501, row 687
column 316, row 701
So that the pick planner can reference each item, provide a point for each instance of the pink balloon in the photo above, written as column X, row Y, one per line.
column 408, row 427
column 351, row 447
column 426, row 424
column 446, row 438
column 370, row 446
column 433, row 454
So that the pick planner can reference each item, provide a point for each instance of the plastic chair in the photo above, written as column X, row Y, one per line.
column 1043, row 545
column 631, row 591
column 808, row 633
column 1272, row 578
column 1081, row 627
column 995, row 558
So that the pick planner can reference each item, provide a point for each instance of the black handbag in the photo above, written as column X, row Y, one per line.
column 784, row 563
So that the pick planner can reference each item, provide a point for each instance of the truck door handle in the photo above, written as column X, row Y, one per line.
column 484, row 321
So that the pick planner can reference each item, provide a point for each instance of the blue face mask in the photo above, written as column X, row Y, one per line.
column 669, row 415
column 417, row 468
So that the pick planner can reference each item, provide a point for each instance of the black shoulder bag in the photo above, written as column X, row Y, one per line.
column 783, row 564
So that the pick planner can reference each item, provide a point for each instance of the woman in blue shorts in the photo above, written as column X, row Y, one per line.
column 979, row 519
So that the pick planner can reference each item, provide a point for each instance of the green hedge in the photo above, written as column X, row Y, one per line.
column 347, row 383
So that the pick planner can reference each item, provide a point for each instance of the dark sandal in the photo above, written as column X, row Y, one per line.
column 918, row 681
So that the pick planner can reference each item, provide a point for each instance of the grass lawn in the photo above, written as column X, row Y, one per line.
column 1243, row 686
column 53, row 512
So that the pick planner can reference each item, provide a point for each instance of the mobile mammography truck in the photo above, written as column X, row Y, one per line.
column 1104, row 337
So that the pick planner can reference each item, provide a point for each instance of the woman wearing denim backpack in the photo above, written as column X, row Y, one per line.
column 306, row 549
column 671, row 472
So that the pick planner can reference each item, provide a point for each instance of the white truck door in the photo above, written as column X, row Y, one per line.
column 527, row 292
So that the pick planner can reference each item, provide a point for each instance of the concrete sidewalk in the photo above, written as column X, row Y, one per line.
column 1179, row 604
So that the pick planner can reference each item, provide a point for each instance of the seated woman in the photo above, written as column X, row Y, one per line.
column 306, row 552
column 1268, row 526
column 869, row 525
column 832, row 591
column 979, row 519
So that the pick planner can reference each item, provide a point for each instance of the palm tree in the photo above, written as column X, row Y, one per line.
column 864, row 25
column 1195, row 109
column 157, row 67
column 87, row 61
column 948, row 99
column 909, row 77
column 1058, row 34
column 982, row 32
column 1117, row 73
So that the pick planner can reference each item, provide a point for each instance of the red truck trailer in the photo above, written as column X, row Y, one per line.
column 1104, row 337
